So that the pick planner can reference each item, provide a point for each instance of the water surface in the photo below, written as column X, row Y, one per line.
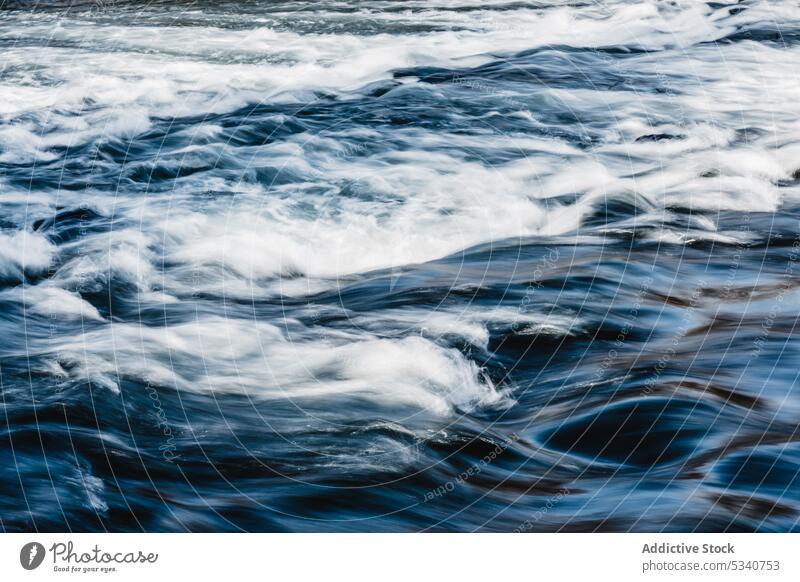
column 399, row 266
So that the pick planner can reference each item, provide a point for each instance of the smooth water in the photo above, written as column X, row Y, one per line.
column 400, row 266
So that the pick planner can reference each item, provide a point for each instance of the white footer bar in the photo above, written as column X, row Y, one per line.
column 401, row 557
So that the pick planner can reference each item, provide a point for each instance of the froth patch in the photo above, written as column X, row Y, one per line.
column 24, row 252
column 54, row 301
column 399, row 378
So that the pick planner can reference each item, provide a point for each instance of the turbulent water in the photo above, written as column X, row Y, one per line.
column 439, row 265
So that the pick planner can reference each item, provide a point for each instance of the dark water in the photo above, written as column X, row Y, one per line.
column 399, row 266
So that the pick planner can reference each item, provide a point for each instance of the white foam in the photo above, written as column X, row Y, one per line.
column 24, row 252
column 470, row 323
column 128, row 74
column 53, row 301
column 440, row 205
column 408, row 376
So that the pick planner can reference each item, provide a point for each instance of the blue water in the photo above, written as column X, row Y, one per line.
column 399, row 266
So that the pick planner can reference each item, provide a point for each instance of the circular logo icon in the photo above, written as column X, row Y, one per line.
column 31, row 555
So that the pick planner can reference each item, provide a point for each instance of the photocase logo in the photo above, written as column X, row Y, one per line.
column 31, row 555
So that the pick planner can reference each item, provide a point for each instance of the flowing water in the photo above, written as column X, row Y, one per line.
column 439, row 265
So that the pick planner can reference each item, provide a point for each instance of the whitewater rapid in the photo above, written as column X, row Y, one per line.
column 339, row 241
